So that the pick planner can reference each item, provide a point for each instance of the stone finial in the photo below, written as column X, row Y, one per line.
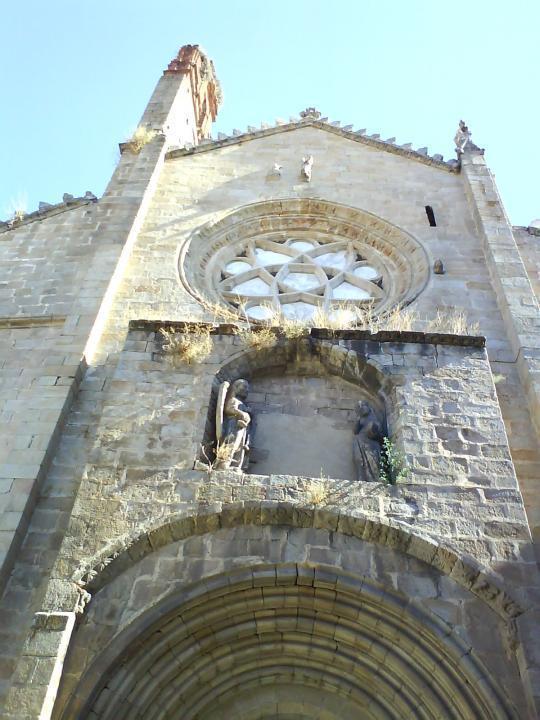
column 310, row 113
column 462, row 139
column 307, row 166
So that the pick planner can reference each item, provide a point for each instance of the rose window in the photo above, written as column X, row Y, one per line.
column 296, row 276
column 299, row 256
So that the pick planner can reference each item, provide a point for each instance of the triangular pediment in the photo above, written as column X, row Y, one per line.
column 347, row 132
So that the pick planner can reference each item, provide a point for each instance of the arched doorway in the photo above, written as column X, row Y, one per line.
column 285, row 623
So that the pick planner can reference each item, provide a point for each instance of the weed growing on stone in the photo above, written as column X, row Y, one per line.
column 452, row 321
column 341, row 317
column 266, row 333
column 215, row 458
column 317, row 493
column 141, row 137
column 190, row 347
column 398, row 319
column 261, row 337
column 392, row 465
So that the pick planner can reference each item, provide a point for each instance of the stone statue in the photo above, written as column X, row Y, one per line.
column 310, row 113
column 307, row 165
column 462, row 137
column 233, row 426
column 367, row 444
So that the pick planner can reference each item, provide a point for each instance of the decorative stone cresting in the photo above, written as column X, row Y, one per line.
column 48, row 210
column 389, row 145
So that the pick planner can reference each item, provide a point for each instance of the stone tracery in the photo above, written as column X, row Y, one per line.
column 293, row 256
column 295, row 276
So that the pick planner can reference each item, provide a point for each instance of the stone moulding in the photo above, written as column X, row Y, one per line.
column 450, row 166
column 375, row 642
column 29, row 321
column 384, row 336
column 465, row 571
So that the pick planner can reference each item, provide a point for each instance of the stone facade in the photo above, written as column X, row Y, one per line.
column 138, row 580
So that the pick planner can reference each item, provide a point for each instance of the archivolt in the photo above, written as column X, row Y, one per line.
column 295, row 630
column 126, row 552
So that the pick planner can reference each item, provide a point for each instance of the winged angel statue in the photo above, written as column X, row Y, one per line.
column 233, row 426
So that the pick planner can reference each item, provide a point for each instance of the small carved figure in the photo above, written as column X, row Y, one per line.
column 438, row 267
column 367, row 444
column 233, row 426
column 310, row 113
column 462, row 137
column 307, row 166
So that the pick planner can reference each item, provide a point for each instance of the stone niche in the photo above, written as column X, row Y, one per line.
column 304, row 425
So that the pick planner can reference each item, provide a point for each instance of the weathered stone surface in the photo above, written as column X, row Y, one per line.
column 98, row 492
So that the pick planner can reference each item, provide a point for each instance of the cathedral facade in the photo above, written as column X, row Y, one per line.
column 271, row 410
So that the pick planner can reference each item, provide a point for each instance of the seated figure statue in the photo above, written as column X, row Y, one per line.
column 367, row 444
column 233, row 426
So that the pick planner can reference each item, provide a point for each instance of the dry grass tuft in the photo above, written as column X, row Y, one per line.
column 223, row 454
column 317, row 493
column 342, row 317
column 398, row 319
column 452, row 321
column 293, row 329
column 213, row 458
column 141, row 137
column 189, row 347
column 260, row 338
column 220, row 313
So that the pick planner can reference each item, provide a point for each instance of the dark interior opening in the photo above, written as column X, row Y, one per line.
column 431, row 216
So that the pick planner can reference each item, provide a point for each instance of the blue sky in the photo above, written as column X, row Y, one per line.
column 75, row 79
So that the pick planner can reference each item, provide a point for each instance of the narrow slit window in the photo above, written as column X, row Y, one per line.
column 431, row 216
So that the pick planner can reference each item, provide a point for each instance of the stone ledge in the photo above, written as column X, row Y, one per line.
column 383, row 336
column 29, row 321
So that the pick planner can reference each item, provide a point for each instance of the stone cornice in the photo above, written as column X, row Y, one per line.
column 383, row 336
column 30, row 321
column 239, row 137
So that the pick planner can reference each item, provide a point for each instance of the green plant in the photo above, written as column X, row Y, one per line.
column 392, row 465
